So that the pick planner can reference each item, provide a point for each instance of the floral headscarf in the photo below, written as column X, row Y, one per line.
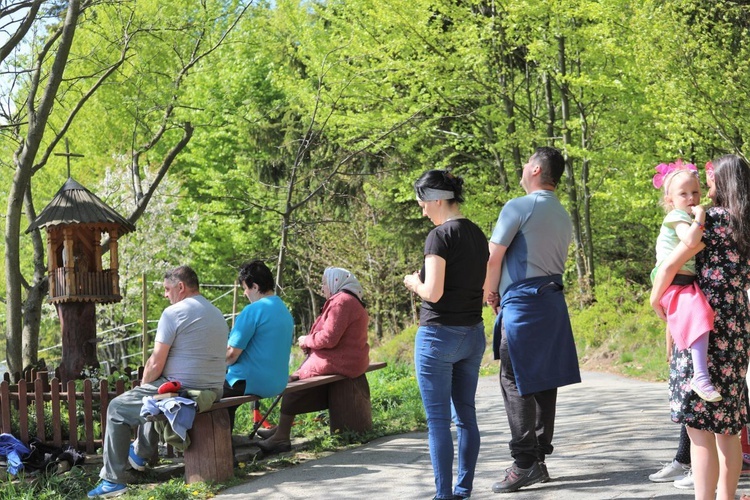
column 339, row 279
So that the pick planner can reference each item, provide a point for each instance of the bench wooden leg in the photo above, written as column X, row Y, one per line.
column 349, row 405
column 209, row 456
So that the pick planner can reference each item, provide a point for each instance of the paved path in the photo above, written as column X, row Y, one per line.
column 611, row 433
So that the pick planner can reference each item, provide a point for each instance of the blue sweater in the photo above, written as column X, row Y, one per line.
column 539, row 335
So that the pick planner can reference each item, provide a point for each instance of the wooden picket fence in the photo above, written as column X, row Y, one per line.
column 67, row 409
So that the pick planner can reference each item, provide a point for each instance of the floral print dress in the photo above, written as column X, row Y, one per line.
column 724, row 278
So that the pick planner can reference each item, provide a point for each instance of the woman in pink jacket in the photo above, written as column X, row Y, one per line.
column 336, row 345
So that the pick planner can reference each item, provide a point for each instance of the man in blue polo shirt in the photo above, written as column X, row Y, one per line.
column 532, row 339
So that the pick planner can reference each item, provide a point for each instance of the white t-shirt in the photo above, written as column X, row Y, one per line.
column 197, row 333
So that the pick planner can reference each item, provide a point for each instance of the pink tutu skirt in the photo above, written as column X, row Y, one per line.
column 689, row 315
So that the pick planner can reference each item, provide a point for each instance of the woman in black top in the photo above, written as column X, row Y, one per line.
column 450, row 340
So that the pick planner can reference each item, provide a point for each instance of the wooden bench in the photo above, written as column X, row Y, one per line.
column 209, row 456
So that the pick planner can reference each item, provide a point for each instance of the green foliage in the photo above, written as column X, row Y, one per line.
column 15, row 423
column 397, row 404
column 335, row 108
column 620, row 332
column 399, row 349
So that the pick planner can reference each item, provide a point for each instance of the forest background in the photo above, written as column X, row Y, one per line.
column 291, row 131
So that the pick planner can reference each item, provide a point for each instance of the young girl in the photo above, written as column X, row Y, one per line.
column 689, row 317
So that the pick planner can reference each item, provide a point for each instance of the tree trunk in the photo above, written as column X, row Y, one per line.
column 14, row 302
column 571, row 181
column 550, row 109
column 509, row 105
column 588, row 237
column 78, row 325
column 38, row 114
column 36, row 293
column 281, row 259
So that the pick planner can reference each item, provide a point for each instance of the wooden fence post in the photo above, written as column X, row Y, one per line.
column 104, row 399
column 39, row 407
column 56, row 423
column 23, row 411
column 234, row 301
column 88, row 415
column 5, row 405
column 144, row 317
column 72, row 414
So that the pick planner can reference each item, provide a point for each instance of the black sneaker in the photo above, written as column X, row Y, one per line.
column 516, row 478
column 545, row 474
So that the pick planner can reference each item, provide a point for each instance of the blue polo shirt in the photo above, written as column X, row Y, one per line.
column 537, row 231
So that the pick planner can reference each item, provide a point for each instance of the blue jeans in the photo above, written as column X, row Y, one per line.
column 449, row 357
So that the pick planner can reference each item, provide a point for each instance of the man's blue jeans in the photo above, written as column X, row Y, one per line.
column 447, row 360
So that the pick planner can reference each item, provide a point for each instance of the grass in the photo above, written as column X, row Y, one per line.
column 619, row 334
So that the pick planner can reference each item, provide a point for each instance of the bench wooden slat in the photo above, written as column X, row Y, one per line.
column 233, row 401
column 294, row 386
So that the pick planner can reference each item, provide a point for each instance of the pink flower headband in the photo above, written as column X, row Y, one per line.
column 709, row 170
column 664, row 169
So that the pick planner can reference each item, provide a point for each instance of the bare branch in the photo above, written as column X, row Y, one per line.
column 168, row 160
column 194, row 59
column 36, row 73
column 79, row 105
column 354, row 154
column 23, row 28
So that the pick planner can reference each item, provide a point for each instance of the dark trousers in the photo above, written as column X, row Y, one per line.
column 238, row 389
column 531, row 417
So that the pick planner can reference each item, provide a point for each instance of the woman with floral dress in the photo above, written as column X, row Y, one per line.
column 723, row 274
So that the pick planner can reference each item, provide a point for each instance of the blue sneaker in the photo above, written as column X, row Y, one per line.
column 108, row 489
column 136, row 462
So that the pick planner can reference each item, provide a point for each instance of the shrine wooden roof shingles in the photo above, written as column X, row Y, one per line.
column 74, row 204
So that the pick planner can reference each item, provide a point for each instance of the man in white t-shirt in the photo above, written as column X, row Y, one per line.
column 189, row 347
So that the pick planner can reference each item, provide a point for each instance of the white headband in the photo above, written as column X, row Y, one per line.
column 430, row 194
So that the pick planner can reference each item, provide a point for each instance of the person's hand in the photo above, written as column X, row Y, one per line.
column 301, row 341
column 411, row 281
column 699, row 212
column 657, row 307
column 493, row 300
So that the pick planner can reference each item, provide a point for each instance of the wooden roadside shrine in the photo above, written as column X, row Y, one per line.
column 77, row 224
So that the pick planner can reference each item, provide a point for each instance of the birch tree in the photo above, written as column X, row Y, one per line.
column 56, row 80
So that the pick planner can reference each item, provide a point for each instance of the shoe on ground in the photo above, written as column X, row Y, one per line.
column 545, row 474
column 266, row 433
column 706, row 392
column 670, row 472
column 516, row 478
column 108, row 489
column 135, row 461
column 269, row 447
column 686, row 483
